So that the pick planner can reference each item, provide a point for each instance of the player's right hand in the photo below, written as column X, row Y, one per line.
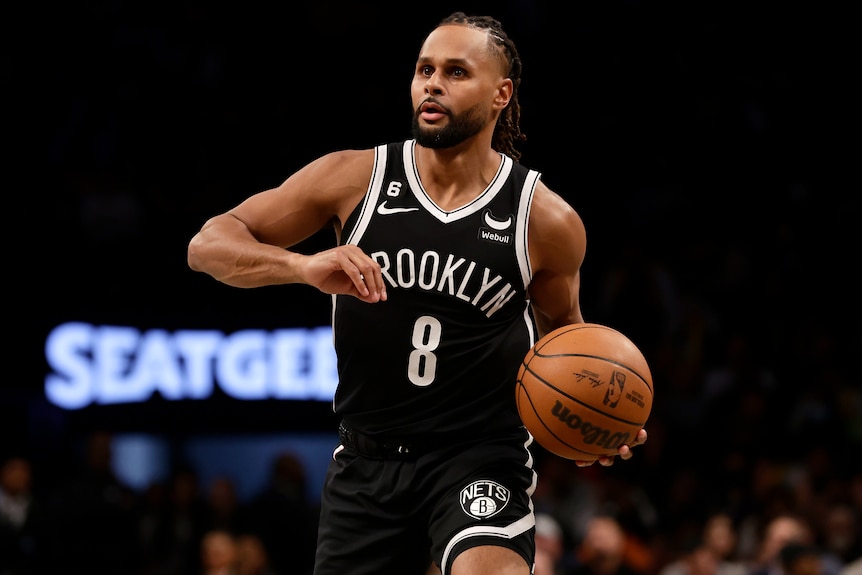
column 345, row 270
column 625, row 452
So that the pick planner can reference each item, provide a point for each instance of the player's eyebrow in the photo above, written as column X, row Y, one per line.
column 448, row 61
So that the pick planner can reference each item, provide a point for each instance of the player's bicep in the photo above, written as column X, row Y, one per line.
column 309, row 200
column 289, row 213
column 280, row 216
column 557, row 248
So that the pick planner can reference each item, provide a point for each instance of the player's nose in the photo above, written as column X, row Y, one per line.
column 433, row 84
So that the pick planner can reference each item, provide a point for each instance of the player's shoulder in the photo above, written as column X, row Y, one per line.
column 347, row 158
column 339, row 169
column 555, row 228
column 550, row 208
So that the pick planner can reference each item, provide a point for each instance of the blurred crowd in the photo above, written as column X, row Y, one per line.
column 767, row 518
column 92, row 522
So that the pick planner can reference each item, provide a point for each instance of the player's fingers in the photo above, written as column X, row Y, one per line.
column 363, row 271
column 625, row 452
column 373, row 277
column 369, row 281
column 359, row 282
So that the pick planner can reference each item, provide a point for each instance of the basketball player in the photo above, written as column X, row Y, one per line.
column 452, row 259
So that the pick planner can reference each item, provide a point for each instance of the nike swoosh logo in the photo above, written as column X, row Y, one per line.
column 384, row 211
column 497, row 224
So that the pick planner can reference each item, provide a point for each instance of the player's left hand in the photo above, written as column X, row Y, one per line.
column 625, row 452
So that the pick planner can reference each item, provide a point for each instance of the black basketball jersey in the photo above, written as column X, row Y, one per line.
column 441, row 355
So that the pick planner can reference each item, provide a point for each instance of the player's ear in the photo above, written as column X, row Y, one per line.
column 504, row 93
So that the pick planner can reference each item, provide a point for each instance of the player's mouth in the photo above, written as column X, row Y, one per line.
column 431, row 111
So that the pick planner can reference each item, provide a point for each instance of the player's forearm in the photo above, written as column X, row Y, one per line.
column 234, row 257
column 248, row 266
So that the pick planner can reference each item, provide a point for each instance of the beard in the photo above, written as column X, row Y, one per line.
column 459, row 129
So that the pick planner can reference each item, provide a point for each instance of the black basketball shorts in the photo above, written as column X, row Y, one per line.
column 391, row 513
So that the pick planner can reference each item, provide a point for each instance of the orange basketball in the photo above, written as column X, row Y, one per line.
column 583, row 391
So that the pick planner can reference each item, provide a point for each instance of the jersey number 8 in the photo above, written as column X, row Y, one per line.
column 422, row 366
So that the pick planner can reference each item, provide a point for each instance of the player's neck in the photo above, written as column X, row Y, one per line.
column 455, row 176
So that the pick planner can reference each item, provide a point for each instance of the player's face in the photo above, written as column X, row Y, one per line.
column 458, row 87
column 459, row 128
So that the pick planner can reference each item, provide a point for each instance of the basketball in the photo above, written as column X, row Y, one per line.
column 584, row 390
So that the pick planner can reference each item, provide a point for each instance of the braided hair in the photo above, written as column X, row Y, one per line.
column 507, row 132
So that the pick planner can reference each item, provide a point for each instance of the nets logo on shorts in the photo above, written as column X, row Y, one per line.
column 484, row 498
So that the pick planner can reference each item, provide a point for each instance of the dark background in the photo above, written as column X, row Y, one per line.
column 707, row 146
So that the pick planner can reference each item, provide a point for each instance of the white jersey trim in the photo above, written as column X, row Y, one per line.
column 410, row 168
column 370, row 200
column 367, row 210
column 506, row 532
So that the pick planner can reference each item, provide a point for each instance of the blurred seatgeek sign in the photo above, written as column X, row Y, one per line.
column 98, row 364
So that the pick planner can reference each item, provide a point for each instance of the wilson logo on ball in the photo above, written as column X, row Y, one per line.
column 592, row 434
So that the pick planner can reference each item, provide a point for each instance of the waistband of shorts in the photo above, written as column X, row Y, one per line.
column 376, row 448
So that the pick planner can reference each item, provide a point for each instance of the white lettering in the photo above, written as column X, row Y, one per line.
column 109, row 364
column 242, row 372
column 405, row 262
column 68, row 349
column 464, row 280
column 428, row 272
column 448, row 275
column 499, row 300
column 113, row 375
column 155, row 369
column 198, row 349
column 383, row 259
column 486, row 285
